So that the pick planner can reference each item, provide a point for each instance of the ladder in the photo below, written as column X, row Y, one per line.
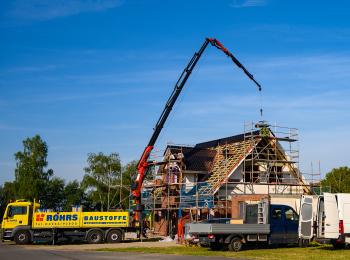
column 262, row 209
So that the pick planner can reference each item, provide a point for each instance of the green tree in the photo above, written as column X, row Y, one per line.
column 102, row 177
column 74, row 195
column 7, row 193
column 2, row 201
column 338, row 179
column 31, row 177
column 54, row 194
column 129, row 175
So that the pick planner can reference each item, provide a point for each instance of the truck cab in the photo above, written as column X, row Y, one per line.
column 18, row 215
column 284, row 223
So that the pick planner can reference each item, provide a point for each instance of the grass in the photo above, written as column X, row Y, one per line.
column 293, row 253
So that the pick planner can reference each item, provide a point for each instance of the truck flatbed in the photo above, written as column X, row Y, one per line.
column 221, row 228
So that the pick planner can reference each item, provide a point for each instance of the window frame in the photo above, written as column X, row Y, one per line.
column 278, row 216
column 11, row 213
column 295, row 216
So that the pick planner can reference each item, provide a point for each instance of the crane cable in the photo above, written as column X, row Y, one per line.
column 261, row 104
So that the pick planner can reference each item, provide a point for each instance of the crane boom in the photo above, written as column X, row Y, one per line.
column 143, row 163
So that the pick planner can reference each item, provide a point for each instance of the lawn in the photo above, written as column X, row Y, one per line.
column 295, row 253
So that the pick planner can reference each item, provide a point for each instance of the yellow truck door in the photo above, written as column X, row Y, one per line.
column 15, row 215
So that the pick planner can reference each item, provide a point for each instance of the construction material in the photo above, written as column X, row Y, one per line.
column 236, row 221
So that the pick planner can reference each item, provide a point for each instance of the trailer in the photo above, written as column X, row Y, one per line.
column 24, row 223
column 267, row 223
column 326, row 219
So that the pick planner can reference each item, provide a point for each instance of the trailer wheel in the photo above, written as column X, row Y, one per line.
column 94, row 236
column 22, row 237
column 236, row 244
column 114, row 236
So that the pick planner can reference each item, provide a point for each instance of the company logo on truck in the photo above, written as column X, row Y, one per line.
column 40, row 217
column 59, row 217
column 110, row 218
column 107, row 218
column 56, row 217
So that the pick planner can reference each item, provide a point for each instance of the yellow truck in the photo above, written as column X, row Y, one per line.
column 24, row 222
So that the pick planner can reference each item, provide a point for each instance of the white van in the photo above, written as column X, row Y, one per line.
column 325, row 219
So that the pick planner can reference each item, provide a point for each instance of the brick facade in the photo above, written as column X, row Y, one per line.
column 236, row 199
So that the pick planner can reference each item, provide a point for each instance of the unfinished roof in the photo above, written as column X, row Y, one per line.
column 195, row 159
column 221, row 141
column 208, row 156
column 221, row 157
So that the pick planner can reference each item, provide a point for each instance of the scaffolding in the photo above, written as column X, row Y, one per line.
column 264, row 161
column 314, row 179
column 274, row 158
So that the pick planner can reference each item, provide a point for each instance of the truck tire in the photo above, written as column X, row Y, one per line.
column 94, row 236
column 22, row 237
column 236, row 244
column 114, row 236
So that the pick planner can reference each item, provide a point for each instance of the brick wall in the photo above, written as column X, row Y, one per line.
column 236, row 199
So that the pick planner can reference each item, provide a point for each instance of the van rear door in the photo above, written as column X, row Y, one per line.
column 306, row 218
column 331, row 228
column 344, row 210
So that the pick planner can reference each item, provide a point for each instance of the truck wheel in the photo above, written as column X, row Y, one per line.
column 94, row 236
column 114, row 236
column 22, row 237
column 235, row 245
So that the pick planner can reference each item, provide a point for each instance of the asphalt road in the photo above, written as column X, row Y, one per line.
column 15, row 252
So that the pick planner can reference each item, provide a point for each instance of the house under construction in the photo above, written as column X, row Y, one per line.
column 223, row 178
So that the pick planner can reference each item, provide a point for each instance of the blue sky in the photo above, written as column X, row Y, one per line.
column 91, row 76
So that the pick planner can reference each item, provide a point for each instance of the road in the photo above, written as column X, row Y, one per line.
column 9, row 251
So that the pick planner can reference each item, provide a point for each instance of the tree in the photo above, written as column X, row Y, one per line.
column 129, row 175
column 338, row 179
column 54, row 194
column 74, row 195
column 7, row 193
column 31, row 177
column 102, row 178
column 2, row 201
